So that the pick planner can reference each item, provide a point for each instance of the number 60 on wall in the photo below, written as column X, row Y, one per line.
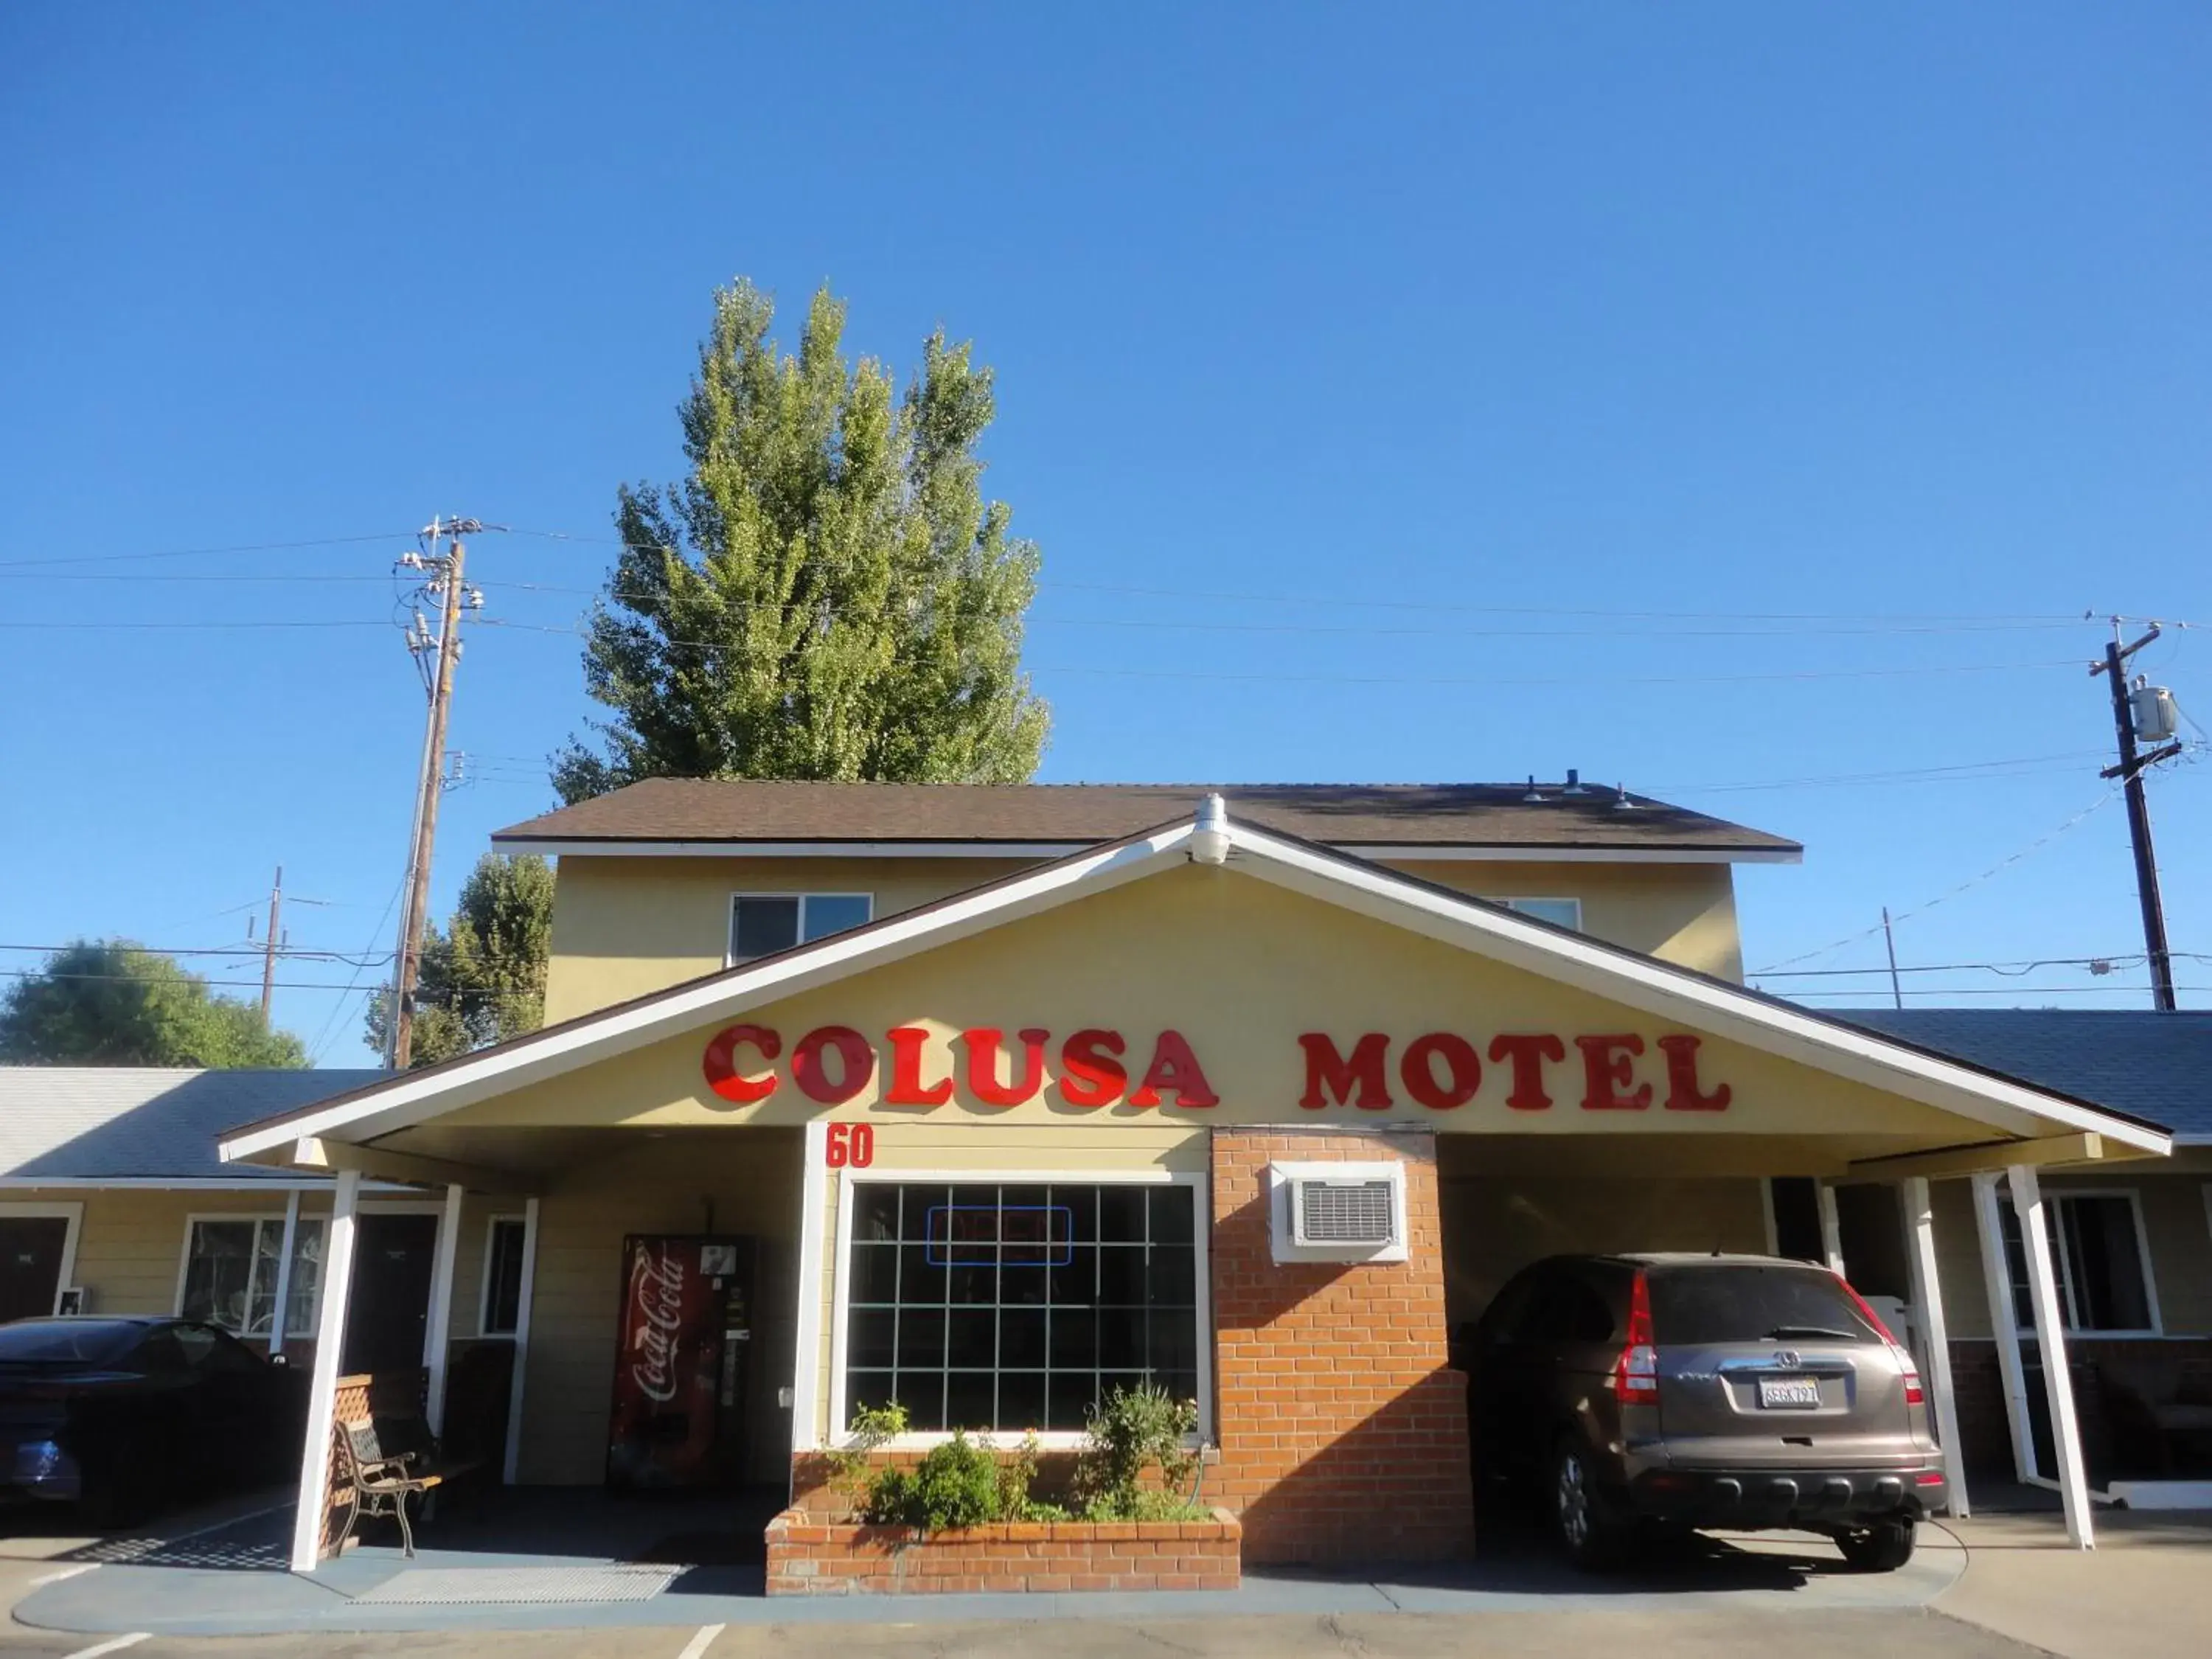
column 853, row 1144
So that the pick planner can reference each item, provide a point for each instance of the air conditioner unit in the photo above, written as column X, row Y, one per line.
column 1327, row 1212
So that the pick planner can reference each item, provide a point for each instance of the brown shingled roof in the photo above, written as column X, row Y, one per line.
column 736, row 812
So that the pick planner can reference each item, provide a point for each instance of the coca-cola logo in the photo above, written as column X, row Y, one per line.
column 656, row 1290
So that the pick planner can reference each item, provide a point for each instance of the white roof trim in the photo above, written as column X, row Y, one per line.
column 620, row 1030
column 1640, row 983
column 1457, row 852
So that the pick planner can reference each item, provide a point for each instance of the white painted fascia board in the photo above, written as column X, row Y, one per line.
column 793, row 849
column 240, row 1183
column 1655, row 988
column 407, row 1101
column 1522, row 854
column 1456, row 853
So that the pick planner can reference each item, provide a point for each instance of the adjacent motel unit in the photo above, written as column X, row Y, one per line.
column 984, row 1099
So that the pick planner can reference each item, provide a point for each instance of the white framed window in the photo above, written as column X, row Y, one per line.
column 229, row 1276
column 499, row 1309
column 762, row 924
column 2102, row 1255
column 1338, row 1211
column 1002, row 1301
column 1560, row 912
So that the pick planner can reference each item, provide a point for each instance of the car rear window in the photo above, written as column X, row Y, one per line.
column 63, row 1342
column 1743, row 1303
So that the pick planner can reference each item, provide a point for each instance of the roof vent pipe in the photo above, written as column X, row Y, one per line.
column 1575, row 782
column 1209, row 835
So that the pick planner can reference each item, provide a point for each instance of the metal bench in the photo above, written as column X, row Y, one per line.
column 389, row 1458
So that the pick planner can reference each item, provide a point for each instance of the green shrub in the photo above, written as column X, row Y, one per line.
column 871, row 1427
column 1130, row 1431
column 956, row 1485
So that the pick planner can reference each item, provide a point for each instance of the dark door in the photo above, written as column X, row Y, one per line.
column 393, row 1257
column 30, row 1265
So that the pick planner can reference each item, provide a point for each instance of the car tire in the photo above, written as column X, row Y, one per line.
column 1593, row 1540
column 1882, row 1547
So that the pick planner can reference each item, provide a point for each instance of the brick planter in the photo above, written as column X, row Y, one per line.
column 809, row 1557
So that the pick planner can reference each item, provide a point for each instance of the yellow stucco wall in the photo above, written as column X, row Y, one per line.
column 654, row 1186
column 1494, row 1227
column 623, row 926
column 1241, row 967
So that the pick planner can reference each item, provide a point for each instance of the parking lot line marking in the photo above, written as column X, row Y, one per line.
column 698, row 1645
column 114, row 1645
column 66, row 1572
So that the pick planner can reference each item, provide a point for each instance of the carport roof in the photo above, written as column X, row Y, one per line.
column 65, row 1125
column 2154, row 1065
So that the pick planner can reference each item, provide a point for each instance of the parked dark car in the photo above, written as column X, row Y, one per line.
column 1643, row 1394
column 120, row 1414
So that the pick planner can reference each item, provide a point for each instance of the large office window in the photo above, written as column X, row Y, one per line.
column 2104, row 1284
column 1016, row 1306
column 230, row 1274
column 761, row 924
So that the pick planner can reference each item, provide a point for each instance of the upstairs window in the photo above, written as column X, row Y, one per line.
column 1560, row 912
column 762, row 924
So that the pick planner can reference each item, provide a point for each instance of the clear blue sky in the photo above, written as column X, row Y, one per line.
column 1450, row 334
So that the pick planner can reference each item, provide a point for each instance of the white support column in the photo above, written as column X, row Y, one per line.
column 2051, row 1337
column 1832, row 1231
column 1996, row 1280
column 284, row 1271
column 521, row 1340
column 437, row 1326
column 323, row 1388
column 1766, row 1209
column 1934, row 1331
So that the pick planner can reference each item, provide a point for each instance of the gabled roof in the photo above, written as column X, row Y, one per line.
column 1440, row 913
column 696, row 814
column 64, row 1124
column 2157, row 1065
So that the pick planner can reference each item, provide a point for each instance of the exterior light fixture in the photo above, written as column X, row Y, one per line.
column 1209, row 837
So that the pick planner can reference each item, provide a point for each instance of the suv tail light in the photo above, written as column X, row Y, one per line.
column 1914, row 1394
column 1636, row 1373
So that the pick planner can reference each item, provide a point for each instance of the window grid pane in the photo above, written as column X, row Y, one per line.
column 1015, row 1306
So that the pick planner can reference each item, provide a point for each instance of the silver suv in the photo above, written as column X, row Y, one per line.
column 1642, row 1393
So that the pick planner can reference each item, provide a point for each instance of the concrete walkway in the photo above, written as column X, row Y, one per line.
column 229, row 1582
column 2145, row 1592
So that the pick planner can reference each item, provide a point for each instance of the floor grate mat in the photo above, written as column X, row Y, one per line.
column 418, row 1587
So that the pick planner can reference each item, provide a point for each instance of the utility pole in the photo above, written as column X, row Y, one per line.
column 436, row 656
column 1889, row 938
column 269, row 945
column 2133, row 764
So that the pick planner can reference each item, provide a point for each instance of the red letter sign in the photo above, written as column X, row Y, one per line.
column 983, row 1066
column 907, row 1087
column 1326, row 1068
column 1460, row 1064
column 1528, row 1051
column 856, row 1064
column 721, row 1063
column 1089, row 1074
column 1683, row 1093
column 1607, row 1069
column 1175, row 1069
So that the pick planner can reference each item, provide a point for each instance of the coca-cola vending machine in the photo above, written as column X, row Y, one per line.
column 680, row 1365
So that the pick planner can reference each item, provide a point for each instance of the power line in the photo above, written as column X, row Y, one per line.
column 298, row 953
column 2000, row 866
column 209, row 552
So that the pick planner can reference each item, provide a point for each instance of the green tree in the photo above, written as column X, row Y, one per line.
column 113, row 1003
column 482, row 979
column 827, row 594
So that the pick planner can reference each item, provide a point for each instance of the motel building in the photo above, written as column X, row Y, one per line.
column 987, row 1099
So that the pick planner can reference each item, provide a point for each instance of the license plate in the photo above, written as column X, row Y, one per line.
column 1786, row 1392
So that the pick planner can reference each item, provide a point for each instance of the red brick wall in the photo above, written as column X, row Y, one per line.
column 1343, row 1431
column 807, row 1557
